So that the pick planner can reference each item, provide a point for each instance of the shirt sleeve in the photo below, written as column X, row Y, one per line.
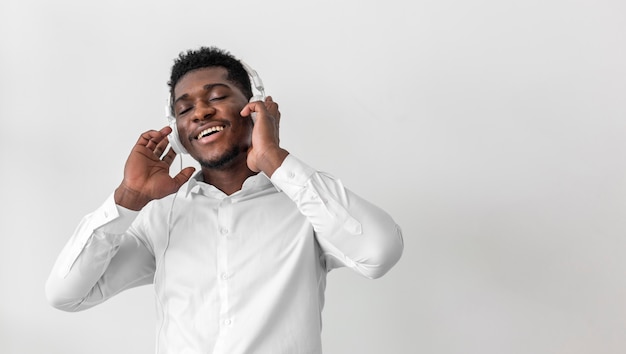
column 351, row 231
column 101, row 259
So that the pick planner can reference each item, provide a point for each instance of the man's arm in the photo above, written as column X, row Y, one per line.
column 100, row 260
column 351, row 231
column 105, row 255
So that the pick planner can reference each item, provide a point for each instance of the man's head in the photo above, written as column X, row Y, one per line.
column 206, row 57
column 209, row 88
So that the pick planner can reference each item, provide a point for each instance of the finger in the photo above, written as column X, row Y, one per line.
column 183, row 176
column 166, row 130
column 256, row 106
column 247, row 109
column 151, row 145
column 160, row 147
column 155, row 134
column 270, row 103
column 151, row 138
column 169, row 157
column 269, row 100
column 146, row 137
column 272, row 107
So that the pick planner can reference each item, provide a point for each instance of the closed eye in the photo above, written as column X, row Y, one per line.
column 184, row 110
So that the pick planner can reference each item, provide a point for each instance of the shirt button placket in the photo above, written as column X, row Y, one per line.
column 224, row 222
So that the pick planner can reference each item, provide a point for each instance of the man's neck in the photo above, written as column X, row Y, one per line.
column 230, row 179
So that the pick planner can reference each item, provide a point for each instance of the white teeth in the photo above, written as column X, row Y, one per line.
column 210, row 130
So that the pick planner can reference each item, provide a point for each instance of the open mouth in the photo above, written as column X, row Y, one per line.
column 210, row 131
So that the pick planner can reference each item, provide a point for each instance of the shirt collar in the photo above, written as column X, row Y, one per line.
column 196, row 185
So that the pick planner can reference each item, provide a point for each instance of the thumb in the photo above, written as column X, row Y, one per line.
column 184, row 175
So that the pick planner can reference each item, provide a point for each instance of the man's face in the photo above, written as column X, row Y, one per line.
column 207, row 106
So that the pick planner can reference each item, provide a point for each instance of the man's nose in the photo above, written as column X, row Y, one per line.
column 203, row 111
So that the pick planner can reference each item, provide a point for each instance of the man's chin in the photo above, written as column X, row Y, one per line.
column 222, row 162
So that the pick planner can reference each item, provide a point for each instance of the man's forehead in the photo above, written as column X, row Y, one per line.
column 201, row 77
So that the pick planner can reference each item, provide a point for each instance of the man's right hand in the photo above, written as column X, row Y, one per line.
column 146, row 174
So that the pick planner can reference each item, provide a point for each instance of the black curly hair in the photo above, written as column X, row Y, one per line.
column 205, row 57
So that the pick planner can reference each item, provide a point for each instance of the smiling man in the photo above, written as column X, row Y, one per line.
column 238, row 252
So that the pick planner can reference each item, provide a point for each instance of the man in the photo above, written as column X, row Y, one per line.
column 239, row 252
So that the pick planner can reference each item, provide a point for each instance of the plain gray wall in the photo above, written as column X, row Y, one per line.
column 493, row 132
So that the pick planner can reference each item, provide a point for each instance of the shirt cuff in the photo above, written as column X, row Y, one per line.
column 115, row 218
column 292, row 175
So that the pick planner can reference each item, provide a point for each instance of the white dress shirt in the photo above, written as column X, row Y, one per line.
column 240, row 273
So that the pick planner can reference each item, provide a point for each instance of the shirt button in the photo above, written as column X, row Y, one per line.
column 227, row 322
column 223, row 231
column 291, row 174
column 224, row 276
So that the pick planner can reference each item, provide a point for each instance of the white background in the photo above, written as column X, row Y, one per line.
column 492, row 131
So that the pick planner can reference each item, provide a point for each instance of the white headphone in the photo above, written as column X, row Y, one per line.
column 174, row 139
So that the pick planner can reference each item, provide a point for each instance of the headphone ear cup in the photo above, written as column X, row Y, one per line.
column 257, row 98
column 173, row 138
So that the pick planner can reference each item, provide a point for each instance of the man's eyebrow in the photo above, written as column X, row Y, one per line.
column 207, row 87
